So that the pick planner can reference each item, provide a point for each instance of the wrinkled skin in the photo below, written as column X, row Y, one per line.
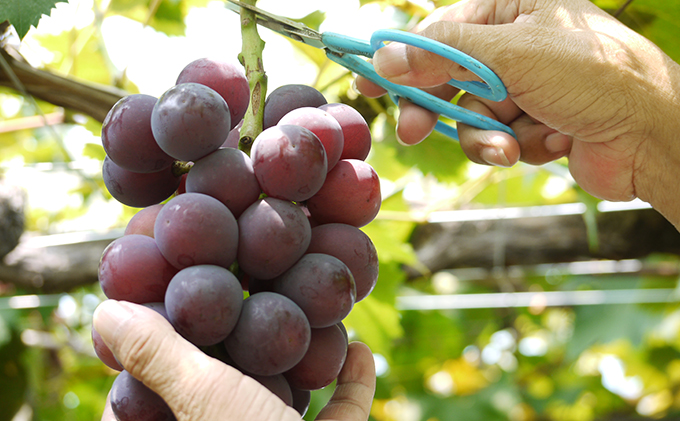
column 580, row 84
column 198, row 387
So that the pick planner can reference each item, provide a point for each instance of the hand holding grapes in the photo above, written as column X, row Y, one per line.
column 580, row 85
column 196, row 349
column 197, row 387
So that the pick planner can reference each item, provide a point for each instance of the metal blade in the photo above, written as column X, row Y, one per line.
column 283, row 26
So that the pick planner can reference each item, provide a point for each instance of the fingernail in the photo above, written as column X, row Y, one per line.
column 557, row 142
column 495, row 156
column 108, row 317
column 396, row 134
column 354, row 86
column 391, row 60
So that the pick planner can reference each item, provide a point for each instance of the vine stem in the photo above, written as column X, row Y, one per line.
column 251, row 59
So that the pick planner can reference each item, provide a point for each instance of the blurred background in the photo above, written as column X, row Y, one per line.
column 504, row 294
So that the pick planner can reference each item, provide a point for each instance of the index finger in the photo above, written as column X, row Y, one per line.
column 354, row 391
column 368, row 88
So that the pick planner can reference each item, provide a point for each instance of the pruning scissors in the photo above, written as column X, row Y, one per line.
column 349, row 52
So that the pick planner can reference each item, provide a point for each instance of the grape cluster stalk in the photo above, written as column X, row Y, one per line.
column 280, row 227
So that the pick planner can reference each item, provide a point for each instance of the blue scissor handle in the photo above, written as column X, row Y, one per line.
column 492, row 89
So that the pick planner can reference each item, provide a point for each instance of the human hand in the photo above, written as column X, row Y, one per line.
column 198, row 387
column 580, row 84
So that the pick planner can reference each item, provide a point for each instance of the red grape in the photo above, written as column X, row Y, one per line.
column 322, row 362
column 350, row 195
column 127, row 137
column 203, row 303
column 227, row 175
column 131, row 400
column 104, row 352
column 354, row 248
column 286, row 98
column 143, row 221
column 289, row 162
column 138, row 190
column 273, row 235
column 355, row 130
column 226, row 78
column 133, row 269
column 270, row 337
column 321, row 285
column 323, row 125
column 189, row 121
column 195, row 229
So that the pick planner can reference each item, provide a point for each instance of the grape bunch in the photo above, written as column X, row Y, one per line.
column 280, row 226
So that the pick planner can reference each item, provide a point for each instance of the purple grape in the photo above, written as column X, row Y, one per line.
column 158, row 307
column 323, row 125
column 286, row 98
column 131, row 400
column 226, row 78
column 142, row 222
column 344, row 331
column 203, row 303
column 350, row 195
column 355, row 130
column 127, row 137
column 273, row 235
column 271, row 336
column 104, row 352
column 195, row 229
column 138, row 190
column 278, row 385
column 190, row 120
column 289, row 162
column 321, row 285
column 354, row 248
column 227, row 175
column 322, row 362
column 301, row 400
column 133, row 269
column 234, row 137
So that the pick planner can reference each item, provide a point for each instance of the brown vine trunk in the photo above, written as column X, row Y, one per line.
column 535, row 240
column 82, row 97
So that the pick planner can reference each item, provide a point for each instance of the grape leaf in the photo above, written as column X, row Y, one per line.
column 25, row 13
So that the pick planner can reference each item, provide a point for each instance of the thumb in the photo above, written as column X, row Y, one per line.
column 194, row 385
column 496, row 46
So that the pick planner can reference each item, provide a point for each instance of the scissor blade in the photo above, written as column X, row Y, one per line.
column 283, row 26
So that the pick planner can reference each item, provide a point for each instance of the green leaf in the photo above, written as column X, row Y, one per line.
column 25, row 13
column 313, row 20
column 391, row 240
column 13, row 377
column 437, row 155
column 168, row 18
column 375, row 323
column 92, row 150
column 590, row 219
column 5, row 332
column 391, row 276
column 663, row 28
column 607, row 323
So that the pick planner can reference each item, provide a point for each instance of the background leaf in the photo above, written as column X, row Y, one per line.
column 25, row 13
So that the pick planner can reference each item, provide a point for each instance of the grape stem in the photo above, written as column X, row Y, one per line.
column 251, row 59
column 180, row 168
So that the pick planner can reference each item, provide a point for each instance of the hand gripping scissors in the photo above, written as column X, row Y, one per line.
column 349, row 52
